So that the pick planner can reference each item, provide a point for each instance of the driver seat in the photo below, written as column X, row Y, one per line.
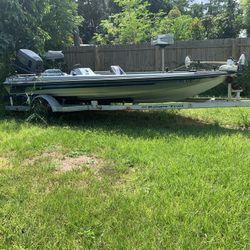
column 117, row 70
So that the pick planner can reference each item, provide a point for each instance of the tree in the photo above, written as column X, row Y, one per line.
column 182, row 5
column 132, row 25
column 220, row 18
column 37, row 24
column 135, row 24
column 214, row 7
column 165, row 6
column 93, row 11
column 184, row 27
column 174, row 13
column 19, row 25
column 157, row 6
column 60, row 22
column 223, row 19
column 197, row 10
column 245, row 6
column 19, row 28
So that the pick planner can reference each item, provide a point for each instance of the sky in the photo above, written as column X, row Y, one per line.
column 200, row 1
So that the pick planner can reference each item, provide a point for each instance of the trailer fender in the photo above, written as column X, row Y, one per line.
column 53, row 103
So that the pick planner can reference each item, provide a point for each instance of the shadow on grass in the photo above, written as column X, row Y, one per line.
column 133, row 124
column 147, row 124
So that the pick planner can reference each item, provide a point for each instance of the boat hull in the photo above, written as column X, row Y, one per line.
column 137, row 88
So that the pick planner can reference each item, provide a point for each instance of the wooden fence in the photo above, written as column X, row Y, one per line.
column 147, row 58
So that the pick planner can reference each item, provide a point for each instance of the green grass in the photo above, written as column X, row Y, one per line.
column 168, row 181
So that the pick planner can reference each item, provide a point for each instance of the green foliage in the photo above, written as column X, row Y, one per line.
column 174, row 13
column 93, row 12
column 4, row 71
column 244, row 81
column 136, row 24
column 36, row 24
column 246, row 9
column 215, row 19
column 157, row 6
column 197, row 10
column 184, row 27
column 223, row 19
column 60, row 22
column 21, row 25
column 132, row 25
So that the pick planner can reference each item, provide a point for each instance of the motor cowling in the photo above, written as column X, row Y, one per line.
column 28, row 62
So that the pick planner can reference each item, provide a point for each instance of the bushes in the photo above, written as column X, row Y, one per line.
column 4, row 70
column 244, row 81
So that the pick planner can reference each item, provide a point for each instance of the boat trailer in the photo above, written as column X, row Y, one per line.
column 192, row 103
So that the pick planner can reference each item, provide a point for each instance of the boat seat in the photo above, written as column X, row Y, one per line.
column 82, row 72
column 117, row 70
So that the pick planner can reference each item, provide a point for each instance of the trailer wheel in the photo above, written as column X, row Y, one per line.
column 40, row 110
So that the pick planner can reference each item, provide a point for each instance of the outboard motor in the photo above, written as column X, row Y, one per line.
column 28, row 62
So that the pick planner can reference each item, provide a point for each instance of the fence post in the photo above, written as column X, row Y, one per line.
column 235, row 48
column 157, row 58
column 96, row 58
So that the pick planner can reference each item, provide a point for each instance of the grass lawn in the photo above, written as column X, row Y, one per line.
column 127, row 180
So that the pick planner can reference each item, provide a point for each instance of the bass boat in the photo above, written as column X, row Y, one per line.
column 83, row 84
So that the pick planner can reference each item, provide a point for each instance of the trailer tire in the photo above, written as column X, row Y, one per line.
column 41, row 109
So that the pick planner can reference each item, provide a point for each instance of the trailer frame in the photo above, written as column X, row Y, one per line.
column 194, row 103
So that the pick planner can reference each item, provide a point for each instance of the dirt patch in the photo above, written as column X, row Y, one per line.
column 71, row 163
column 67, row 163
column 5, row 163
column 54, row 156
